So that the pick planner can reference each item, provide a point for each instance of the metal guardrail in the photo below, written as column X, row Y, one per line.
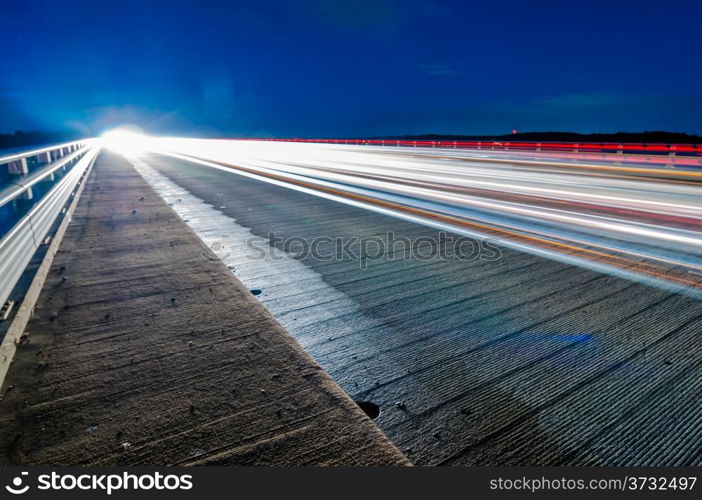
column 44, row 163
column 681, row 154
column 572, row 147
column 61, row 166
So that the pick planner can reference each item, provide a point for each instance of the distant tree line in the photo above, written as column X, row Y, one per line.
column 22, row 138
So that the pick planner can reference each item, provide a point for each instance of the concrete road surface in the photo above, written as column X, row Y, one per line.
column 494, row 356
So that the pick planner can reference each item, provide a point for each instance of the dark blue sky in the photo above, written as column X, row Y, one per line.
column 354, row 68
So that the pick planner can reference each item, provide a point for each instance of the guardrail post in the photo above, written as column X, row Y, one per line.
column 18, row 167
column 620, row 154
column 28, row 194
column 671, row 156
column 44, row 158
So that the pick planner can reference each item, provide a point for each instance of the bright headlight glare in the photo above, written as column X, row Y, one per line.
column 125, row 141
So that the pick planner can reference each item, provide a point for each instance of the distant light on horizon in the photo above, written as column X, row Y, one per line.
column 129, row 141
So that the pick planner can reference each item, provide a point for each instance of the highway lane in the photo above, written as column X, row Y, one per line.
column 521, row 359
column 632, row 220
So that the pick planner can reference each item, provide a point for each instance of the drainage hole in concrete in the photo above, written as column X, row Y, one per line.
column 370, row 409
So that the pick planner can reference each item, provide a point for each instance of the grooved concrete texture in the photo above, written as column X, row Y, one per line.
column 518, row 361
column 145, row 349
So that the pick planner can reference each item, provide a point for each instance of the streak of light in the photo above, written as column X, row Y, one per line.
column 623, row 219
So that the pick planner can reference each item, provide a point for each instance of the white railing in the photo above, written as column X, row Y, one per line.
column 63, row 165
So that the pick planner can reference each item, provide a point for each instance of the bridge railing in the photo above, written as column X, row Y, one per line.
column 681, row 154
column 35, row 188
